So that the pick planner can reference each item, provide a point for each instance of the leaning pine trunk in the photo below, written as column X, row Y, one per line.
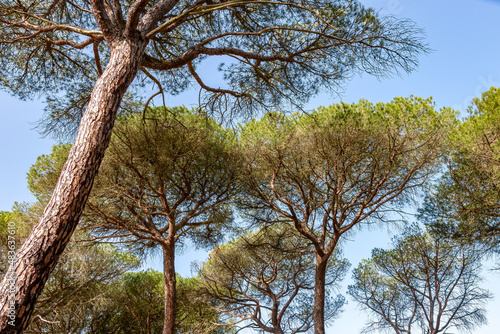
column 41, row 251
column 169, row 284
column 319, row 295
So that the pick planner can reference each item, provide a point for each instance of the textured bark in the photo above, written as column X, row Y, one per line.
column 319, row 296
column 169, row 286
column 39, row 254
column 275, row 318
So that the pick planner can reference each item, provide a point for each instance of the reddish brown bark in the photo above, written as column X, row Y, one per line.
column 39, row 254
column 319, row 295
column 169, row 283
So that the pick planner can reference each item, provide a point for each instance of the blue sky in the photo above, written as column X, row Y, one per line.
column 465, row 38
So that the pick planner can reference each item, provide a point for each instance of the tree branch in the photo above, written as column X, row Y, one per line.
column 118, row 13
column 102, row 18
column 97, row 58
column 133, row 16
column 53, row 26
column 154, row 15
column 210, row 89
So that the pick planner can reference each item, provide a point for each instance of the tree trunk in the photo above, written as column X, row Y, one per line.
column 169, row 286
column 39, row 254
column 275, row 317
column 319, row 295
column 279, row 331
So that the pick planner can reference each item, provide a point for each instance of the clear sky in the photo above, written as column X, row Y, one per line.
column 465, row 38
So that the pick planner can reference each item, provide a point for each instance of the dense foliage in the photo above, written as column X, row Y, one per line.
column 467, row 198
column 298, row 184
column 77, row 289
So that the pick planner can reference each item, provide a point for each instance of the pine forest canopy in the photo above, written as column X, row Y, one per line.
column 84, row 55
column 340, row 167
column 171, row 174
column 168, row 175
